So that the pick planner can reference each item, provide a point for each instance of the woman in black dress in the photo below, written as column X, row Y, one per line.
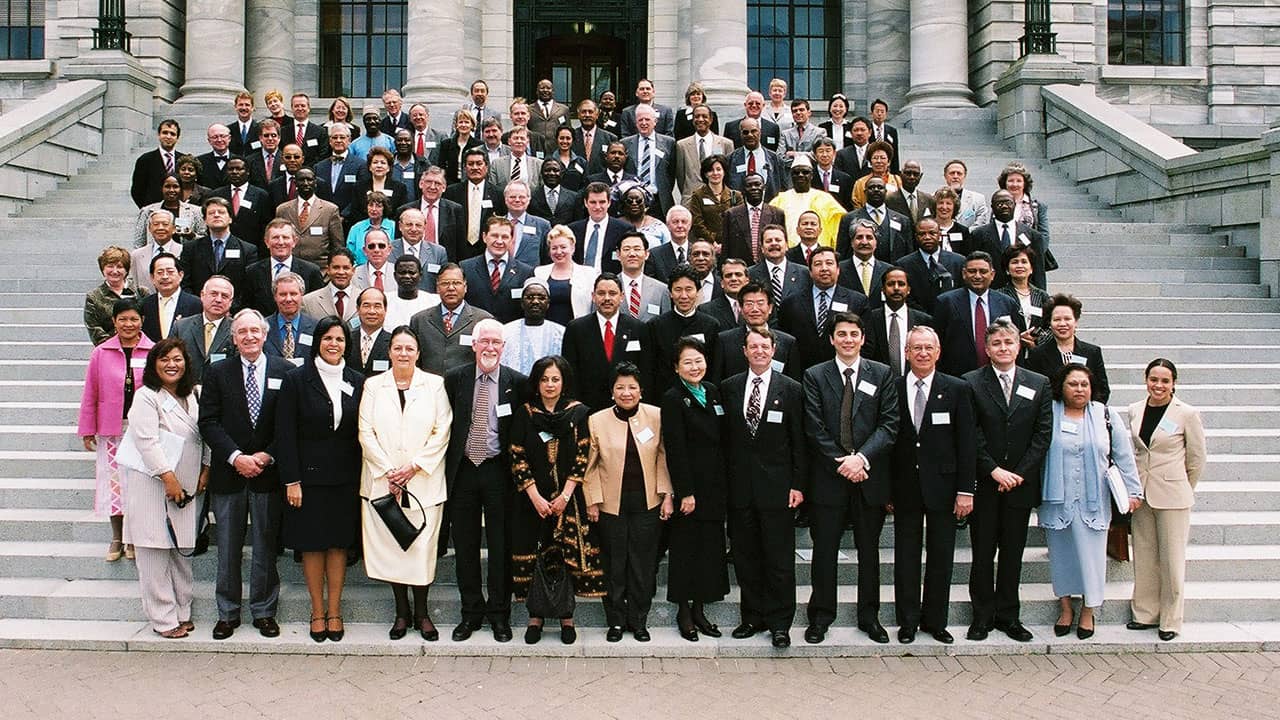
column 318, row 452
column 691, row 420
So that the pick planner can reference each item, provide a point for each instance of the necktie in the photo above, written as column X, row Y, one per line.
column 646, row 162
column 586, row 144
column 553, row 197
column 1007, row 385
column 826, row 180
column 473, row 214
column 429, row 224
column 209, row 328
column 421, row 148
column 879, row 133
column 478, row 437
column 293, row 190
column 846, row 412
column 168, row 163
column 366, row 345
column 755, row 234
column 279, row 269
column 753, row 407
column 877, row 215
column 304, row 214
column 448, row 321
column 733, row 305
column 251, row 395
column 592, row 244
column 634, row 304
column 1004, row 235
column 702, row 148
column 244, row 133
column 377, row 279
column 866, row 278
column 297, row 137
column 340, row 303
column 680, row 255
column 515, row 168
column 270, row 164
column 288, row 346
column 218, row 252
column 776, row 283
column 608, row 340
column 751, row 162
column 495, row 277
column 917, row 407
column 895, row 343
column 911, row 205
column 824, row 307
column 165, row 317
column 235, row 201
column 980, row 331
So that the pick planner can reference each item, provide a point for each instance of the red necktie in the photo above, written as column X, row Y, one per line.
column 421, row 148
column 429, row 225
column 299, row 136
column 980, row 332
column 495, row 277
column 304, row 215
column 635, row 298
column 235, row 201
column 608, row 340
column 377, row 279
column 271, row 161
column 293, row 191
column 751, row 162
column 340, row 303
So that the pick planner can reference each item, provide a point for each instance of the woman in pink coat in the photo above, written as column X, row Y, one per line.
column 108, row 393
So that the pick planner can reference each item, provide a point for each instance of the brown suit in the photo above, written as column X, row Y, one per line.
column 736, row 238
column 323, row 232
column 689, row 168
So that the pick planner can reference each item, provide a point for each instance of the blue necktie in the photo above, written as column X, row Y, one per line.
column 217, row 253
column 592, row 243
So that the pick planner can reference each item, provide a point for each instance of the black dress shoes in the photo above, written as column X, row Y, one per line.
column 1135, row 625
column 267, row 626
column 532, row 634
column 223, row 629
column 906, row 635
column 399, row 628
column 941, row 636
column 1015, row 631
column 781, row 639
column 977, row 632
column 875, row 631
column 464, row 630
column 815, row 634
column 501, row 631
column 568, row 635
column 1083, row 633
column 641, row 634
column 614, row 634
column 1167, row 635
column 746, row 630
column 427, row 630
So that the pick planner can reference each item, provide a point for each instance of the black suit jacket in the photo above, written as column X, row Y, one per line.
column 599, row 143
column 212, row 176
column 148, row 177
column 583, row 347
column 891, row 137
column 357, row 209
column 763, row 469
column 840, row 187
column 569, row 206
column 197, row 265
column 847, row 161
column 308, row 448
column 795, row 279
column 897, row 202
column 895, row 235
column 460, row 384
column 959, row 237
column 987, row 237
column 721, row 311
column 500, row 304
column 238, row 146
column 874, row 424
column 380, row 353
column 662, row 334
column 953, row 320
column 933, row 464
column 457, row 193
column 797, row 317
column 258, row 293
column 389, row 126
column 449, row 156
column 1047, row 361
column 315, row 140
column 188, row 305
column 693, row 440
column 339, row 194
column 608, row 250
column 451, row 226
column 1013, row 435
column 737, row 229
column 876, row 343
column 926, row 284
column 226, row 427
column 770, row 133
column 730, row 359
column 250, row 223
column 257, row 165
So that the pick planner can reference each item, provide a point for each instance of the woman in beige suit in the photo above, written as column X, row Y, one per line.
column 404, row 430
column 1168, row 441
column 628, row 492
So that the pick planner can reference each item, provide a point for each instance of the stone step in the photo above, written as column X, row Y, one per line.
column 1160, row 264
column 1180, row 319
column 55, row 331
column 47, row 350
column 55, row 315
column 1243, row 395
column 1155, row 290
column 65, row 493
column 39, row 412
column 1134, row 354
column 44, row 298
column 40, row 437
column 1180, row 304
column 1184, row 336
column 45, row 369
column 1239, row 416
column 1083, row 254
column 1121, row 271
column 54, row 275
column 1198, row 373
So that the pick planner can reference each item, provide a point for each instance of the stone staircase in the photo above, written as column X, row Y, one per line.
column 1149, row 290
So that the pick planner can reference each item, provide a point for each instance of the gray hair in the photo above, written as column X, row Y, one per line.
column 250, row 315
column 292, row 277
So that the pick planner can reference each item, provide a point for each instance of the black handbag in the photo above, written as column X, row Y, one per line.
column 388, row 508
column 551, row 587
column 202, row 533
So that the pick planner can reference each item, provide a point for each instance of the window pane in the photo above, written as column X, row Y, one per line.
column 1149, row 32
column 798, row 41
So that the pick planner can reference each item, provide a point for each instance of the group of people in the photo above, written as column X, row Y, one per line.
column 807, row 340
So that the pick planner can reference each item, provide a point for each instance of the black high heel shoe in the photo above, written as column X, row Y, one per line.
column 399, row 628
column 1064, row 630
column 323, row 634
column 685, row 623
column 704, row 626
column 335, row 635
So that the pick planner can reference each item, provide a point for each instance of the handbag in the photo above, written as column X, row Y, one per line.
column 1118, row 532
column 402, row 529
column 202, row 532
column 551, row 587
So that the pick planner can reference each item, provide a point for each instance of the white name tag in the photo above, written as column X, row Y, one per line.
column 895, row 225
column 563, row 120
column 776, row 365
column 1070, row 427
column 659, row 153
column 407, row 174
column 942, row 418
column 576, row 167
column 1025, row 392
column 741, row 168
column 138, row 363
column 217, row 357
column 653, row 309
column 545, row 436
column 381, row 365
column 644, row 436
column 1168, row 426
column 773, row 416
column 316, row 230
column 503, row 410
column 1079, row 359
column 955, row 237
column 348, row 178
column 256, row 145
column 273, row 383
column 517, row 293
column 246, row 204
column 613, row 255
column 867, row 387
column 699, row 337
column 387, row 192
column 1022, row 238
column 231, row 254
column 718, row 409
column 312, row 142
column 486, row 203
column 348, row 389
column 708, row 201
column 170, row 403
column 297, row 361
column 464, row 340
column 770, row 141
column 304, row 339
column 529, row 230
column 633, row 346
column 834, row 188
column 839, row 306
column 433, row 267
column 1035, row 311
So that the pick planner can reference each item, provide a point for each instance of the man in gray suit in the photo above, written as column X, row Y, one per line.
column 444, row 331
column 691, row 151
column 324, row 302
column 530, row 230
column 431, row 255
column 504, row 169
column 643, row 297
column 650, row 157
column 208, row 335
column 800, row 137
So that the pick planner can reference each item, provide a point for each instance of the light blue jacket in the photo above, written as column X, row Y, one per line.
column 1054, row 512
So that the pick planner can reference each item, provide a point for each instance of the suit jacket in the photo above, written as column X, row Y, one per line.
column 840, row 186
column 600, row 140
column 1171, row 466
column 958, row 237
column 931, row 465
column 440, row 351
column 480, row 294
column 190, row 330
column 460, row 384
column 663, row 149
column 851, row 277
column 451, row 227
column 531, row 235
column 545, row 124
column 148, row 177
column 776, row 178
column 730, row 359
column 568, row 207
column 666, row 124
column 408, row 175
column 972, row 209
column 895, row 235
column 212, row 176
column 847, row 160
column 953, row 320
column 188, row 305
column 341, row 192
column 197, row 265
column 737, row 228
column 602, row 481
column 226, row 427
column 278, row 189
column 987, row 237
column 797, row 317
column 770, row 133
column 655, row 299
column 256, row 161
column 795, row 279
column 1013, row 435
column 449, row 153
column 302, row 341
column 876, row 343
column 379, row 360
column 389, row 124
column 926, row 284
column 721, row 310
column 310, row 451
column 256, row 211
column 319, row 303
column 688, row 168
column 663, row 259
column 258, row 277
column 315, row 139
column 897, row 201
column 608, row 250
column 531, row 172
column 243, row 146
column 583, row 347
column 357, row 209
column 432, row 255
column 793, row 142
column 843, row 130
column 322, row 234
column 874, row 423
column 891, row 137
column 1046, row 360
column 490, row 203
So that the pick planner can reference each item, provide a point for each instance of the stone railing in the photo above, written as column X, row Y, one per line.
column 49, row 139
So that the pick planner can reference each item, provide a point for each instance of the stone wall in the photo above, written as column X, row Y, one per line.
column 996, row 25
column 1244, row 62
column 49, row 139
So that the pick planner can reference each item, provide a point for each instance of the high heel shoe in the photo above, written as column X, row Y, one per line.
column 428, row 630
column 323, row 634
column 685, row 624
column 1063, row 630
column 704, row 626
column 115, row 551
column 399, row 628
column 1083, row 632
column 335, row 635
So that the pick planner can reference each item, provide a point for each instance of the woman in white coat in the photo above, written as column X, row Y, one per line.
column 170, row 467
column 404, row 430
column 568, row 283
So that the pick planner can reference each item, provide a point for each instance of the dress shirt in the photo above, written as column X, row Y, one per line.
column 831, row 300
column 296, row 322
column 869, row 266
column 168, row 306
column 706, row 289
column 628, row 283
column 1010, row 227
column 260, row 376
column 492, row 447
column 456, row 312
column 881, row 209
column 348, row 298
column 762, row 166
column 677, row 248
column 592, row 226
column 311, row 203
column 276, row 270
column 840, row 368
column 600, row 320
column 986, row 306
column 489, row 260
column 764, row 390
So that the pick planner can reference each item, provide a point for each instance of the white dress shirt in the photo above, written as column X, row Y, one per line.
column 764, row 390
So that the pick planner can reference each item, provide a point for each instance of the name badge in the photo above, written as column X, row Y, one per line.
column 273, row 383
column 464, row 340
column 348, row 389
column 246, row 204
column 545, row 436
column 529, row 230
column 708, row 201
column 895, row 225
column 776, row 365
column 644, row 436
column 486, row 203
column 1022, row 238
column 430, row 145
column 316, row 230
column 741, row 168
column 348, row 178
column 503, row 410
column 169, row 404
column 955, row 237
column 433, row 267
column 770, row 141
column 1035, row 311
column 1025, row 392
column 659, row 153
column 563, row 119
column 867, row 388
column 231, row 254
column 834, row 188
column 613, row 255
column 256, row 145
column 576, row 167
column 538, row 155
column 699, row 337
column 1079, row 359
column 407, row 174
column 297, row 361
column 1070, row 427
column 381, row 365
column 138, row 363
column 942, row 418
column 719, row 410
column 839, row 306
column 1168, row 426
column 217, row 357
column 387, row 192
column 517, row 293
column 304, row 339
column 773, row 416
column 653, row 309
column 312, row 142
column 633, row 346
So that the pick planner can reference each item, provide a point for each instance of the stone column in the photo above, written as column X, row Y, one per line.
column 939, row 54
column 890, row 52
column 269, row 47
column 718, row 57
column 1020, row 104
column 215, row 70
column 436, row 73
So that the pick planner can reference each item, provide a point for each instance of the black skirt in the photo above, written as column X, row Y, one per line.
column 329, row 519
column 696, row 565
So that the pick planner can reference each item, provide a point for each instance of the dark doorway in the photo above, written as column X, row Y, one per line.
column 580, row 66
column 584, row 48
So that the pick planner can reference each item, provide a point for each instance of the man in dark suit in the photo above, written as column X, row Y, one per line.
column 448, row 219
column 424, row 142
column 909, row 199
column 249, row 205
column 894, row 232
column 478, row 469
column 208, row 333
column 852, row 159
column 284, row 186
column 963, row 314
column 338, row 174
column 220, row 253
column 883, row 132
column 724, row 306
column 590, row 134
column 934, row 476
column 767, row 465
column 552, row 201
column 684, row 319
column 169, row 303
column 395, row 118
column 1003, row 231
column 445, row 332
column 1014, row 410
column 851, row 420
column 266, row 163
column 738, row 240
column 770, row 133
column 828, row 177
column 651, row 157
column 807, row 315
column 931, row 270
column 591, row 357
column 298, row 130
column 369, row 351
column 774, row 271
column 280, row 241
column 480, row 200
column 599, row 234
column 753, row 157
column 501, row 299
column 664, row 116
column 290, row 334
column 213, row 163
column 753, row 298
column 244, row 129
column 863, row 271
column 614, row 172
column 237, row 422
column 150, row 169
column 888, row 325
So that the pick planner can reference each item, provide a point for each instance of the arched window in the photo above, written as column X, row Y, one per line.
column 21, row 29
column 1146, row 32
column 362, row 47
column 796, row 40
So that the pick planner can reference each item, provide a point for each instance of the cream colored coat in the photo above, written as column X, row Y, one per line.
column 1171, row 467
column 602, row 482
